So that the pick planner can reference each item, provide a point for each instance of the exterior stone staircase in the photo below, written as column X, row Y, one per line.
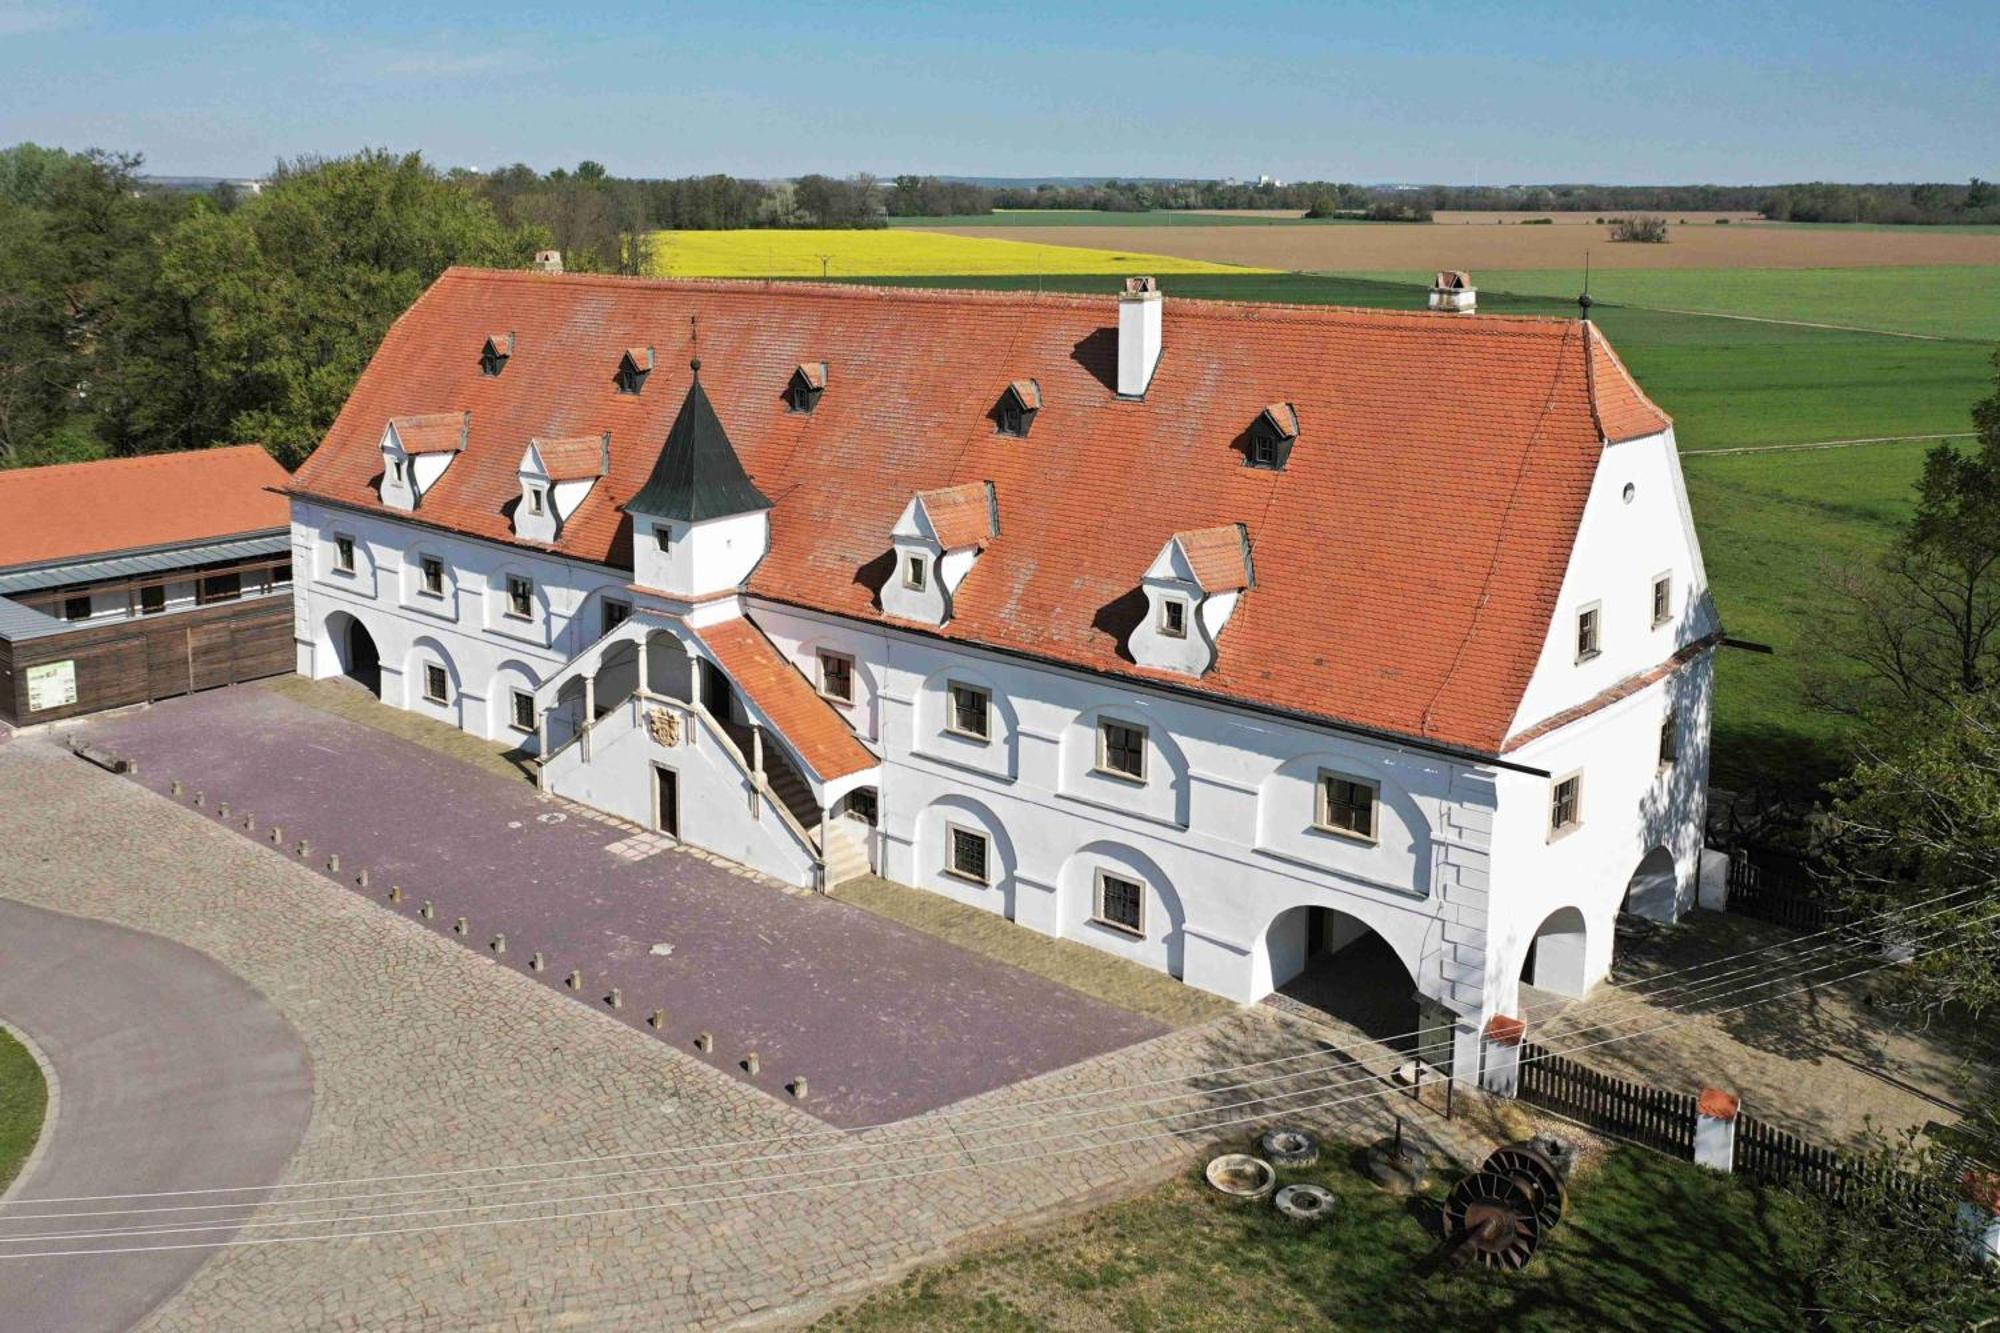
column 846, row 852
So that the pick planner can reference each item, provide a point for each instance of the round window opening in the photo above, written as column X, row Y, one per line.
column 1630, row 491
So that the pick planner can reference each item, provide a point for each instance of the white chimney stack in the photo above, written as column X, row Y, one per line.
column 1138, row 335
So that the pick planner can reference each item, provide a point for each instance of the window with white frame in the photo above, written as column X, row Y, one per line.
column 343, row 553
column 969, row 854
column 1121, row 903
column 1173, row 617
column 431, row 572
column 1663, row 599
column 969, row 712
column 1346, row 805
column 663, row 538
column 534, row 499
column 1565, row 804
column 523, row 711
column 437, row 685
column 916, row 573
column 836, row 676
column 520, row 597
column 1121, row 750
column 1588, row 632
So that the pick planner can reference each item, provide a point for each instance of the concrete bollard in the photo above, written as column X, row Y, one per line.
column 427, row 911
column 174, row 788
column 616, row 999
column 305, row 849
column 704, row 1042
column 222, row 809
column 535, row 963
column 1500, row 1055
column 395, row 893
column 499, row 944
column 752, row 1065
column 361, row 879
column 460, row 926
column 333, row 864
column 575, row 980
column 201, row 798
column 799, row 1087
column 277, row 835
column 657, row 1019
column 249, row 823
column 1715, row 1129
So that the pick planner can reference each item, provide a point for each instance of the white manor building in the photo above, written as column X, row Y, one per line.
column 1216, row 636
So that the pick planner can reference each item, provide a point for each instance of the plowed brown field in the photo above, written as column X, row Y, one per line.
column 1398, row 247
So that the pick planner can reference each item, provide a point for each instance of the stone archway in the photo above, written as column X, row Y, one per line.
column 1326, row 960
column 356, row 651
column 1558, row 958
column 1654, row 889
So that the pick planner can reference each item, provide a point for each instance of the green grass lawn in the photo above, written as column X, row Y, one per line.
column 1649, row 1244
column 1945, row 301
column 23, row 1101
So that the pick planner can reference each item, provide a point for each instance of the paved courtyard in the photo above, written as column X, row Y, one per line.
column 884, row 1022
column 669, row 1194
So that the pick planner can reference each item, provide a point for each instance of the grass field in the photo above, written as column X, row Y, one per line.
column 1648, row 1244
column 1937, row 301
column 23, row 1101
column 889, row 253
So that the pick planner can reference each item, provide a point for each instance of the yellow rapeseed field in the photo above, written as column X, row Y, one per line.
column 892, row 253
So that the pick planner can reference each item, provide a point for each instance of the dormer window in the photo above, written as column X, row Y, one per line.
column 536, row 504
column 1018, row 405
column 1173, row 618
column 1272, row 436
column 807, row 384
column 633, row 368
column 493, row 359
column 396, row 470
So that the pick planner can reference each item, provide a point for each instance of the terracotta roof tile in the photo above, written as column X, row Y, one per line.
column 1623, row 410
column 1219, row 557
column 812, row 725
column 573, row 457
column 70, row 510
column 433, row 432
column 962, row 515
column 1462, row 504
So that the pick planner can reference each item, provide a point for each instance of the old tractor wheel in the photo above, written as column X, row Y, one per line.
column 1494, row 1219
column 1540, row 1178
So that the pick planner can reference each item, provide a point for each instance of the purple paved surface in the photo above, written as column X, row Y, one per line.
column 885, row 1022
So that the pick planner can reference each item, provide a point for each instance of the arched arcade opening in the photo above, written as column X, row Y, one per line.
column 1326, row 960
column 1557, row 959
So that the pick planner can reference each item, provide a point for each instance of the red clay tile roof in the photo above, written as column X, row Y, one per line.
column 433, row 432
column 1219, row 557
column 71, row 510
column 1717, row 1104
column 573, row 457
column 1623, row 410
column 1452, row 512
column 812, row 725
column 961, row 515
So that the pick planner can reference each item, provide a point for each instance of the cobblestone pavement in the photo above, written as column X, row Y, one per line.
column 428, row 1057
column 884, row 1021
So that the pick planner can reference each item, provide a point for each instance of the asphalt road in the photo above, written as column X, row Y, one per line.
column 173, row 1074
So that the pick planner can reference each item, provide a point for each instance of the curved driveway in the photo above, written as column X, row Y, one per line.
column 174, row 1074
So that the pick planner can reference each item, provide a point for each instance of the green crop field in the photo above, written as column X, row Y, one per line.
column 1944, row 301
column 1770, row 523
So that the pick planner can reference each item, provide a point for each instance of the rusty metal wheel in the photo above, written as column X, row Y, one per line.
column 1494, row 1219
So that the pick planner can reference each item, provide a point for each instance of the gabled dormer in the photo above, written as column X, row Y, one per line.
column 1268, row 444
column 634, row 365
column 1192, row 588
column 808, row 382
column 1019, row 402
column 556, row 476
column 937, row 540
column 493, row 357
column 415, row 453
column 699, row 524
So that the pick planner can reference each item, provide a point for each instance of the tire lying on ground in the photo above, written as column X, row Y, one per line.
column 1286, row 1146
column 1304, row 1205
column 1242, row 1176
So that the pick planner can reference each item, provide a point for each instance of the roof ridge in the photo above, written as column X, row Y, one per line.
column 1202, row 306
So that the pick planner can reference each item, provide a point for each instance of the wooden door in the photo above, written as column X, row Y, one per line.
column 667, row 801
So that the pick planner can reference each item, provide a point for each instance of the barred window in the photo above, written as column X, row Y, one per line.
column 968, row 857
column 1120, row 902
column 524, row 711
column 436, row 683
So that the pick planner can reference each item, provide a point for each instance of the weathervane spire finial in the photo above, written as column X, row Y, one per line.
column 1584, row 302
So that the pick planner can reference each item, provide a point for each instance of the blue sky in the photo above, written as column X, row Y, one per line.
column 1470, row 92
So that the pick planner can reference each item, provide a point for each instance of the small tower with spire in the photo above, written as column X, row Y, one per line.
column 699, row 524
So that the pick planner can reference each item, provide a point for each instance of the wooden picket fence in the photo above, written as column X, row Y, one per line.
column 1755, row 893
column 1651, row 1117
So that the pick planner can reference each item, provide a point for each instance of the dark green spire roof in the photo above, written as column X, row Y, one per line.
column 698, row 475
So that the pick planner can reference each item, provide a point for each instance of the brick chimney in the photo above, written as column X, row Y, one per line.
column 548, row 261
